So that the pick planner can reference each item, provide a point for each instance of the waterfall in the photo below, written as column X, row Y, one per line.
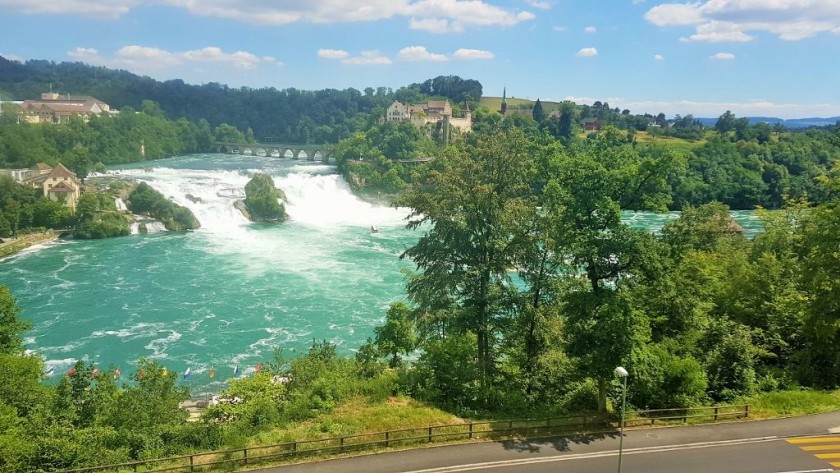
column 315, row 199
column 120, row 204
column 147, row 225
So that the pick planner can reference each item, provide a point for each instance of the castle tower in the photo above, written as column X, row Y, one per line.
column 504, row 101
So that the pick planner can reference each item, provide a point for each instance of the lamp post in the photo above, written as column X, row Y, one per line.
column 622, row 373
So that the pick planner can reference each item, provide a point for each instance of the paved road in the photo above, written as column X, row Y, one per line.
column 744, row 447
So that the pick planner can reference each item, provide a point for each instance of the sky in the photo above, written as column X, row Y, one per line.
column 777, row 58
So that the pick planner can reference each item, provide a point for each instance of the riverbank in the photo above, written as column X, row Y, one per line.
column 10, row 246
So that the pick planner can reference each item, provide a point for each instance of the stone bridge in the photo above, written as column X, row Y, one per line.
column 309, row 152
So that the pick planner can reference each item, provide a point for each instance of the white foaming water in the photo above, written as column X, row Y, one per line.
column 327, row 201
column 314, row 199
column 120, row 204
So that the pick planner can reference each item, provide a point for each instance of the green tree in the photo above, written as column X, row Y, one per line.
column 473, row 206
column 397, row 335
column 11, row 327
column 537, row 112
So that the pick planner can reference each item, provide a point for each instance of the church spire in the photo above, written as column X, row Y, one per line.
column 504, row 101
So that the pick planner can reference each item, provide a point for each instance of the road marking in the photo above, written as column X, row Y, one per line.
column 583, row 456
column 825, row 444
column 809, row 471
column 818, row 448
column 814, row 440
column 824, row 470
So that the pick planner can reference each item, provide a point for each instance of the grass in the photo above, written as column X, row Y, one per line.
column 677, row 144
column 791, row 403
column 359, row 416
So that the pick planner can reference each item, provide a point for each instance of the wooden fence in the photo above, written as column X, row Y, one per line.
column 228, row 460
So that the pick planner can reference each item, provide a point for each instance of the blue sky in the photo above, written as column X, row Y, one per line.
column 754, row 57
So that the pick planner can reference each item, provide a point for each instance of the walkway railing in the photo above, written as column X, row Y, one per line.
column 229, row 460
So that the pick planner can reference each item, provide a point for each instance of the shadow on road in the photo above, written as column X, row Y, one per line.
column 560, row 444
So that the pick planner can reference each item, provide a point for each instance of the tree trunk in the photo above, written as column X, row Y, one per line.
column 602, row 395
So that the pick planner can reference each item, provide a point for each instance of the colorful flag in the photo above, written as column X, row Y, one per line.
column 94, row 373
column 117, row 373
column 212, row 373
column 187, row 373
column 72, row 371
column 236, row 370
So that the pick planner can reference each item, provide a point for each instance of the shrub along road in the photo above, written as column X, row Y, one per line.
column 755, row 446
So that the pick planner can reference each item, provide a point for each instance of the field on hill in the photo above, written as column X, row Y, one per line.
column 495, row 103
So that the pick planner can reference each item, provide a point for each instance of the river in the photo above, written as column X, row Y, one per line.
column 228, row 294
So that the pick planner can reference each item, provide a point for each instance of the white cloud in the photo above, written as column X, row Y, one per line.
column 731, row 20
column 367, row 58
column 144, row 59
column 722, row 56
column 718, row 32
column 560, row 28
column 473, row 54
column 542, row 5
column 457, row 14
column 433, row 25
column 106, row 10
column 658, row 57
column 12, row 57
column 587, row 52
column 240, row 59
column 590, row 29
column 419, row 53
column 333, row 53
column 84, row 54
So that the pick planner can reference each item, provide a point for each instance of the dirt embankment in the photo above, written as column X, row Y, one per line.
column 11, row 246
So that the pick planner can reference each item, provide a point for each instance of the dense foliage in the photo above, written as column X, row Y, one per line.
column 23, row 208
column 288, row 115
column 263, row 200
column 83, row 146
column 744, row 167
column 144, row 200
column 97, row 217
column 688, row 311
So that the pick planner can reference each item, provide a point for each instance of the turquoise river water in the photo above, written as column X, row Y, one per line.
column 228, row 294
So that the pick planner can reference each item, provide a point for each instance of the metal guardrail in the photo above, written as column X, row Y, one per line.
column 579, row 424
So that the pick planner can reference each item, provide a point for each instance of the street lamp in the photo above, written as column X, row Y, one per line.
column 622, row 373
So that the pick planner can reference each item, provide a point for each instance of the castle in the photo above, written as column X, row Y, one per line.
column 433, row 111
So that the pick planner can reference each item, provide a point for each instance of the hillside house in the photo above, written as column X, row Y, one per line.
column 58, row 183
column 54, row 108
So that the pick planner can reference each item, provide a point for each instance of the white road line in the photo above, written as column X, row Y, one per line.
column 609, row 453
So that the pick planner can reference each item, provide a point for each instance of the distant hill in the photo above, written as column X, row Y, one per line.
column 789, row 123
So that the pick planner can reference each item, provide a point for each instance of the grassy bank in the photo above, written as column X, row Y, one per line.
column 791, row 403
column 12, row 246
